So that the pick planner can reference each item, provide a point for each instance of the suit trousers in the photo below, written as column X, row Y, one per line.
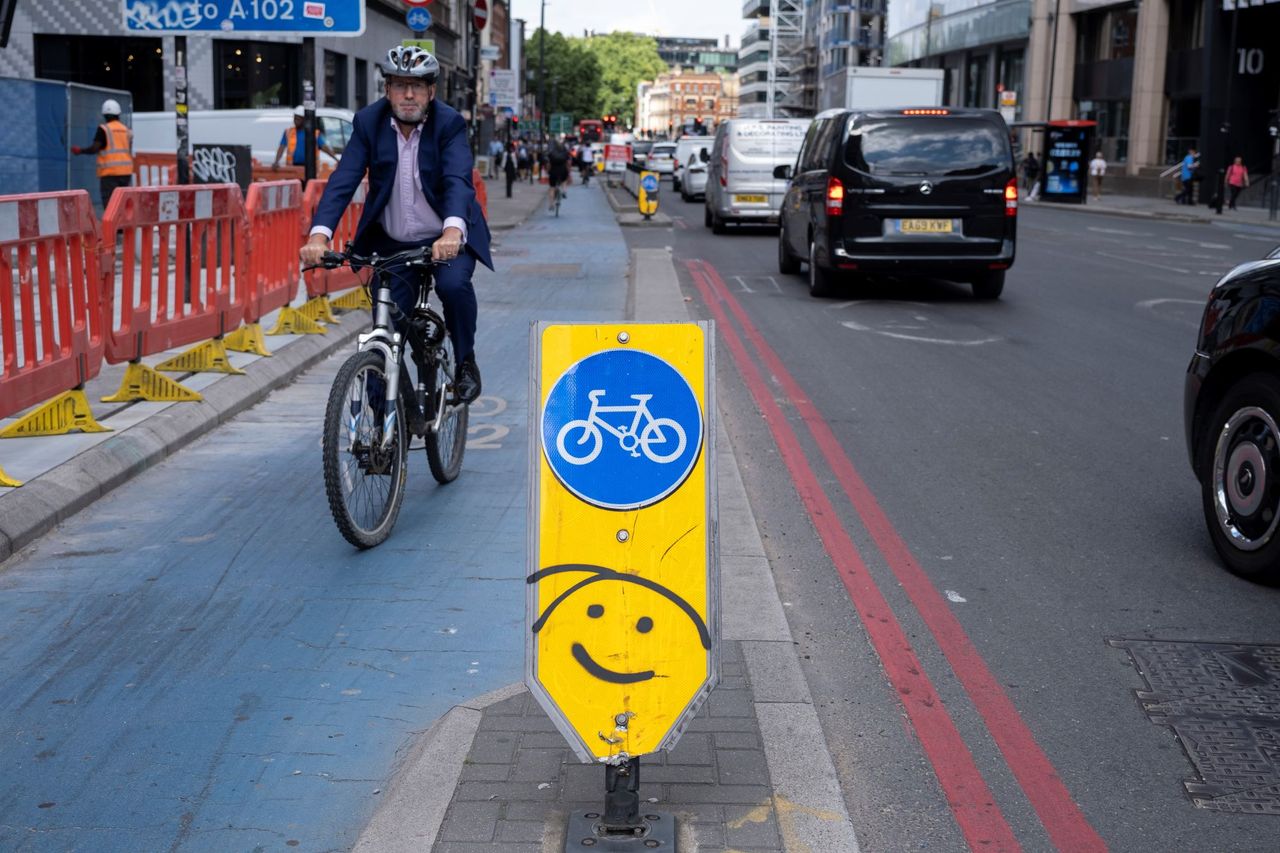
column 453, row 285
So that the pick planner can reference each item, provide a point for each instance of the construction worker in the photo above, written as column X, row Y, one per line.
column 289, row 142
column 113, row 143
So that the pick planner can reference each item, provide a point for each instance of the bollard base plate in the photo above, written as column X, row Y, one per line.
column 657, row 831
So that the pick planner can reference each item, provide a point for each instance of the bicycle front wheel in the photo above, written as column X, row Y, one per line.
column 364, row 477
column 447, row 443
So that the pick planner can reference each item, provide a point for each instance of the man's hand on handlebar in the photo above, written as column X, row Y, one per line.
column 312, row 251
column 447, row 247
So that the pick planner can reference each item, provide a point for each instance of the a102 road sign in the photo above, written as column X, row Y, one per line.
column 272, row 17
column 623, row 579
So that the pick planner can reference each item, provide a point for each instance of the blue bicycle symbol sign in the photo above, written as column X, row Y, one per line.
column 649, row 183
column 622, row 429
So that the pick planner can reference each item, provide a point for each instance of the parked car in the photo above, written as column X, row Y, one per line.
column 686, row 149
column 1231, row 409
column 742, row 185
column 259, row 129
column 661, row 158
column 920, row 191
column 693, row 173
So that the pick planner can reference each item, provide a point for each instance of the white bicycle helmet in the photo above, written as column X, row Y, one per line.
column 111, row 107
column 411, row 61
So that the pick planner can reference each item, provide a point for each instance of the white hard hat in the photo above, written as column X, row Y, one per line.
column 111, row 107
column 300, row 112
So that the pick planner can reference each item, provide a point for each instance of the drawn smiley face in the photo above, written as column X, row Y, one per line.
column 603, row 597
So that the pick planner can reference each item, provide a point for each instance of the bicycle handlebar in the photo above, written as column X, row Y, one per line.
column 416, row 257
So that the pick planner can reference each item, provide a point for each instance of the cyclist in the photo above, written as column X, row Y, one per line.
column 415, row 152
column 558, row 172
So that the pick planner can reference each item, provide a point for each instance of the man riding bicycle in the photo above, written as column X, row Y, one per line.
column 558, row 161
column 415, row 152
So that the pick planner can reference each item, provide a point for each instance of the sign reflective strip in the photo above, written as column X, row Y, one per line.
column 9, row 228
column 204, row 204
column 47, row 217
column 168, row 207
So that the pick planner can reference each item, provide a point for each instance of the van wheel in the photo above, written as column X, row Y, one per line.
column 718, row 225
column 821, row 281
column 989, row 286
column 788, row 264
column 706, row 216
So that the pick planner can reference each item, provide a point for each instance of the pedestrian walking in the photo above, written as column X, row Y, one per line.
column 1030, row 171
column 1189, row 173
column 1097, row 170
column 1237, row 180
column 523, row 159
column 509, row 167
column 113, row 143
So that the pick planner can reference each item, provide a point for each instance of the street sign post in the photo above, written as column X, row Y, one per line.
column 623, row 583
column 503, row 88
column 418, row 18
column 480, row 14
column 245, row 17
column 647, row 196
column 561, row 123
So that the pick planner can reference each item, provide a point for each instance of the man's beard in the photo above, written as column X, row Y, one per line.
column 418, row 117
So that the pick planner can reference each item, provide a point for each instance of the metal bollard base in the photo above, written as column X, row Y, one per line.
column 587, row 831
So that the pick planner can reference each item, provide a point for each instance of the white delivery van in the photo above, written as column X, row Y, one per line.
column 868, row 88
column 686, row 147
column 740, row 182
column 259, row 129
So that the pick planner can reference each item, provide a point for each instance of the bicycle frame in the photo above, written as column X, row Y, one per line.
column 384, row 339
column 640, row 408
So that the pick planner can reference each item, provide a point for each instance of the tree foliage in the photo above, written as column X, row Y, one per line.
column 572, row 74
column 624, row 59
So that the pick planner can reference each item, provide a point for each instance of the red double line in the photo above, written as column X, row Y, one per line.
column 976, row 812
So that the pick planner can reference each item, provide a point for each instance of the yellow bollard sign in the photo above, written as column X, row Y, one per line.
column 623, row 584
column 647, row 193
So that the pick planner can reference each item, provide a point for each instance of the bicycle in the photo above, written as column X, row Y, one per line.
column 365, row 444
column 559, row 194
column 631, row 439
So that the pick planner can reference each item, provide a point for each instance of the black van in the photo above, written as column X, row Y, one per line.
column 920, row 191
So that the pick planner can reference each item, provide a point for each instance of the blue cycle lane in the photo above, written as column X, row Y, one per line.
column 199, row 661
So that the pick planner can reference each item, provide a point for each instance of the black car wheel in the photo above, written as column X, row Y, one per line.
column 718, row 225
column 989, row 285
column 1239, row 464
column 706, row 216
column 788, row 264
column 821, row 281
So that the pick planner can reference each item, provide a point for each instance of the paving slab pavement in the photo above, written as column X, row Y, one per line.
column 1146, row 207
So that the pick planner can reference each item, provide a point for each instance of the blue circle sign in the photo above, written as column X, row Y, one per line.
column 418, row 18
column 650, row 183
column 621, row 429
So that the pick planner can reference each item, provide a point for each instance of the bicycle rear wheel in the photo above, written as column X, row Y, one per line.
column 363, row 479
column 447, row 444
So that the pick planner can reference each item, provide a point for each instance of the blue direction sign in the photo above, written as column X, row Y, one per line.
column 650, row 183
column 274, row 17
column 622, row 429
column 418, row 19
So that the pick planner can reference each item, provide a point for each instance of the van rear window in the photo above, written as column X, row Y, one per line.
column 927, row 146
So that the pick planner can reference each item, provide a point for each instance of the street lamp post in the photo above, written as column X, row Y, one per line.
column 542, row 69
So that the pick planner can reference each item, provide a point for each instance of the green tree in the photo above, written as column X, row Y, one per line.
column 572, row 72
column 625, row 60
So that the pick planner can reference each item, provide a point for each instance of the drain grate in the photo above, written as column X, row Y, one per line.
column 1222, row 700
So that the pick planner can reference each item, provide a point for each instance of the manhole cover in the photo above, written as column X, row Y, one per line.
column 548, row 270
column 1222, row 700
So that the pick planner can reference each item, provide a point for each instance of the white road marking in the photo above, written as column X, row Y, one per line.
column 1119, row 231
column 858, row 327
column 775, row 284
column 1144, row 263
column 1272, row 240
column 1200, row 243
column 742, row 284
column 1210, row 272
column 955, row 597
column 1151, row 303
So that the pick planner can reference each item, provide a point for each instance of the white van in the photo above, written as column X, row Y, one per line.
column 259, row 129
column 740, row 182
column 687, row 148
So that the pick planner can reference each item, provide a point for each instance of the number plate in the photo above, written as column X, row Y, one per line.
column 749, row 199
column 924, row 226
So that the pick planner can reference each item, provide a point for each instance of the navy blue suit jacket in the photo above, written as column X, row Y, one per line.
column 444, row 158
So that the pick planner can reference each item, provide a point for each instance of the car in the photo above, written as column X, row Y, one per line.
column 742, row 181
column 640, row 150
column 1231, row 414
column 917, row 191
column 686, row 149
column 661, row 158
column 693, row 174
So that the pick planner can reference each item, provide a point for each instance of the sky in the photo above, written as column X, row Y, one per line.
column 691, row 18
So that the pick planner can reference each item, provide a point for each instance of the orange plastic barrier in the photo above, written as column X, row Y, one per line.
column 482, row 192
column 154, row 170
column 321, row 282
column 275, row 219
column 183, row 267
column 51, row 329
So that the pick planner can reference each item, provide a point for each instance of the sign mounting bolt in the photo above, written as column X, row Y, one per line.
column 623, row 337
column 623, row 536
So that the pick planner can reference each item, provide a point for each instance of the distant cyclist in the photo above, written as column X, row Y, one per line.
column 558, row 168
column 415, row 152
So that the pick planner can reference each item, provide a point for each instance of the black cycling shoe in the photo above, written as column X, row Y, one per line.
column 466, row 383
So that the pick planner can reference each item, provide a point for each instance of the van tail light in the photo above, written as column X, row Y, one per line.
column 1011, row 197
column 724, row 170
column 835, row 197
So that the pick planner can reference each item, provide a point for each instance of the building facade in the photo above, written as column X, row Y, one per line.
column 695, row 54
column 79, row 42
column 677, row 100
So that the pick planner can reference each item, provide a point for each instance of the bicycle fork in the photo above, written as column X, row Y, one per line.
column 391, row 344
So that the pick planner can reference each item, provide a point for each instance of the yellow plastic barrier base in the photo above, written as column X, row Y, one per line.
column 208, row 357
column 8, row 482
column 143, row 383
column 247, row 339
column 318, row 309
column 65, row 413
column 356, row 300
column 293, row 322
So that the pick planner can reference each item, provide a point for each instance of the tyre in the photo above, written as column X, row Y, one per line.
column 718, row 225
column 363, row 480
column 821, row 281
column 788, row 264
column 706, row 216
column 989, row 286
column 447, row 442
column 1238, row 458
